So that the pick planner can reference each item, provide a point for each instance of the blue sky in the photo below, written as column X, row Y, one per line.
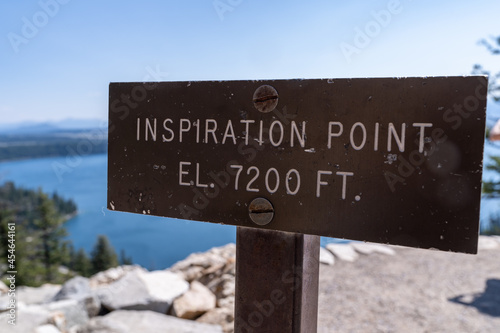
column 62, row 68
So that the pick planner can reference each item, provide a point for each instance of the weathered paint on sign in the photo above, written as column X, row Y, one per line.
column 388, row 160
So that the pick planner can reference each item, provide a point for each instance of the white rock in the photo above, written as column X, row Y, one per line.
column 487, row 243
column 3, row 288
column 219, row 316
column 218, row 260
column 164, row 284
column 28, row 318
column 92, row 305
column 139, row 290
column 227, row 302
column 368, row 248
column 58, row 320
column 344, row 252
column 129, row 291
column 47, row 329
column 363, row 248
column 111, row 275
column 78, row 288
column 195, row 302
column 4, row 303
column 75, row 288
column 74, row 311
column 145, row 322
column 326, row 257
column 216, row 255
column 43, row 294
column 63, row 270
column 223, row 286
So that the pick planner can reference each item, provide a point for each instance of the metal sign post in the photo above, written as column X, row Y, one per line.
column 386, row 160
column 276, row 281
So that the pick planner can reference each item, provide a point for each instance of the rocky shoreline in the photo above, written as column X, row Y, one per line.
column 197, row 294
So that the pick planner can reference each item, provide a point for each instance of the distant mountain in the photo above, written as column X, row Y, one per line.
column 51, row 126
column 36, row 140
column 72, row 123
column 26, row 128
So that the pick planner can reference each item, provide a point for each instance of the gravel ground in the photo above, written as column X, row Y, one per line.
column 413, row 291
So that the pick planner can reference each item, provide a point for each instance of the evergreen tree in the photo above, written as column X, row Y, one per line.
column 493, row 45
column 23, row 257
column 82, row 263
column 491, row 189
column 124, row 259
column 5, row 218
column 23, row 204
column 50, row 228
column 30, row 270
column 103, row 255
column 68, row 254
column 39, row 233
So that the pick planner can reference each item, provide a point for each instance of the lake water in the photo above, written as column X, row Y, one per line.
column 153, row 242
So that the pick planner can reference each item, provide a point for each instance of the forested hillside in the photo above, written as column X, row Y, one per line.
column 33, row 239
column 17, row 146
column 22, row 204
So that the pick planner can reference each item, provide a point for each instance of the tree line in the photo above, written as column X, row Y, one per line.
column 16, row 147
column 491, row 188
column 39, row 250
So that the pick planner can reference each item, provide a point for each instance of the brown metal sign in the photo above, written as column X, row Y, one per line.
column 387, row 160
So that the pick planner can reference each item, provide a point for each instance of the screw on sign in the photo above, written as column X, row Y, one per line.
column 261, row 211
column 265, row 98
column 386, row 160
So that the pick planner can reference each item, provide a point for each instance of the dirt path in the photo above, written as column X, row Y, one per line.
column 413, row 291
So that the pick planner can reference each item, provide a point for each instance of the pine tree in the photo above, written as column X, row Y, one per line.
column 50, row 228
column 82, row 263
column 103, row 255
column 23, row 257
column 492, row 45
column 491, row 189
column 68, row 254
column 124, row 259
column 30, row 271
column 5, row 218
column 39, row 233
